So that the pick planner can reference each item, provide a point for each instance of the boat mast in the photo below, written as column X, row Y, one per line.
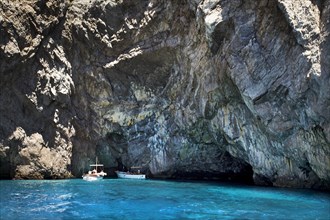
column 96, row 165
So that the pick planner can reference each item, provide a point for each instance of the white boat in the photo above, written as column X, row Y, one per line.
column 131, row 175
column 93, row 175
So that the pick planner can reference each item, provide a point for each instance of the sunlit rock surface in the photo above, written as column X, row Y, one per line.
column 215, row 89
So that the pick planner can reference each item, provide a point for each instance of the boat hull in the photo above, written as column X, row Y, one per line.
column 92, row 177
column 125, row 175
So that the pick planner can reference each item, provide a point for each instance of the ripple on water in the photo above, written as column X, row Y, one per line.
column 127, row 199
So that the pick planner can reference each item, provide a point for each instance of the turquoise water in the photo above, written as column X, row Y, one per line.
column 152, row 199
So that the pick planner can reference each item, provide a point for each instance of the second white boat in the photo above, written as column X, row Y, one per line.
column 129, row 175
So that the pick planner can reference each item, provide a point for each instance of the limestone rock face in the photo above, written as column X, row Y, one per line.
column 221, row 89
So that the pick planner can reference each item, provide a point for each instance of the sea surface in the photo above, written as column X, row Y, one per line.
column 155, row 199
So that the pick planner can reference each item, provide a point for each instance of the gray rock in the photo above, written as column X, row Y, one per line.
column 216, row 89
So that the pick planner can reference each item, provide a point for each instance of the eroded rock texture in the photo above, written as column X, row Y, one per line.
column 227, row 89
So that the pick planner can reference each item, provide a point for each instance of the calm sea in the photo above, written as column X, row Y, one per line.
column 154, row 199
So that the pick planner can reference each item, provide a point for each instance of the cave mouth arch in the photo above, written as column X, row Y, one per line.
column 230, row 169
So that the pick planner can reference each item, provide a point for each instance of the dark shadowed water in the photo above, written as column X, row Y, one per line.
column 151, row 199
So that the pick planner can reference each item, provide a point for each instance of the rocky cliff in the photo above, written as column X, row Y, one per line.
column 226, row 89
